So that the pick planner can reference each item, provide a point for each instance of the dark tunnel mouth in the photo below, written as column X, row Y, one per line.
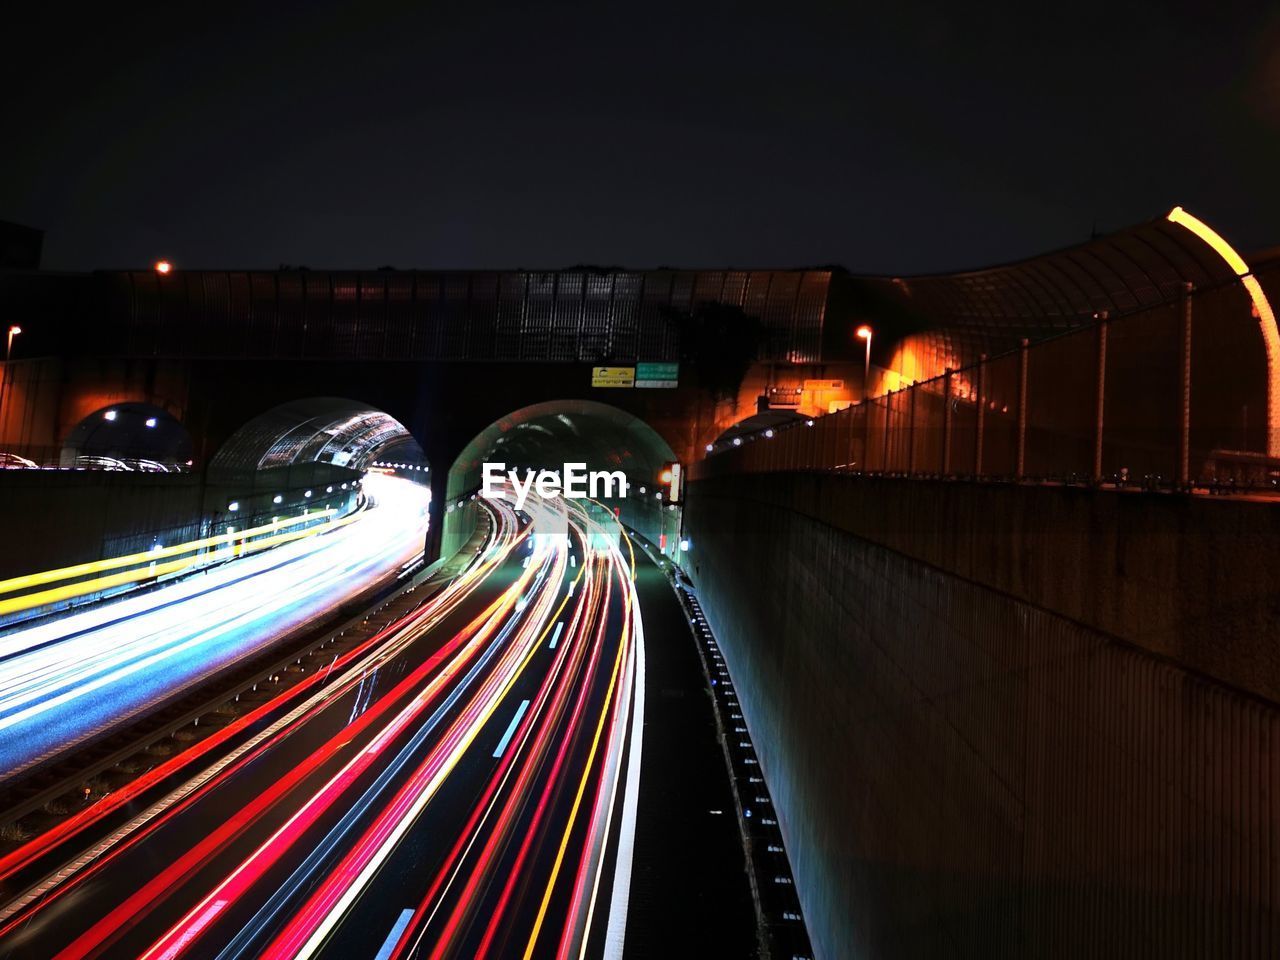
column 133, row 434
column 328, row 430
column 549, row 434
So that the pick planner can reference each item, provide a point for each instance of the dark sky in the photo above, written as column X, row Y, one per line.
column 906, row 137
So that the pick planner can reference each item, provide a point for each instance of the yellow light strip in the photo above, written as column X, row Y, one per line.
column 115, row 563
column 1266, row 317
column 29, row 601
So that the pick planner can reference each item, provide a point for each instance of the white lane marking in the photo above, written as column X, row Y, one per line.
column 515, row 722
column 393, row 937
column 555, row 637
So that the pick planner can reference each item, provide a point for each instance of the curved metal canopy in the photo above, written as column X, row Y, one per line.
column 344, row 433
column 990, row 310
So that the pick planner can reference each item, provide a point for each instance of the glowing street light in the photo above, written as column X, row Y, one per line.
column 13, row 332
column 164, row 267
column 864, row 333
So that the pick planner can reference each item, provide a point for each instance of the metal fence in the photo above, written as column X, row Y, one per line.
column 1170, row 397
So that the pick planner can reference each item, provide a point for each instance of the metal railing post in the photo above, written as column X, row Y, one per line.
column 868, row 406
column 1184, row 413
column 1100, row 401
column 888, row 419
column 980, row 426
column 1020, row 468
column 911, row 428
column 948, row 401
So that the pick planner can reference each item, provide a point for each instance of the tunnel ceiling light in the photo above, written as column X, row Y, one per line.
column 769, row 432
column 808, row 423
column 164, row 267
column 151, row 421
column 278, row 498
column 328, row 489
column 307, row 494
column 233, row 506
column 710, row 447
column 109, row 415
column 737, row 441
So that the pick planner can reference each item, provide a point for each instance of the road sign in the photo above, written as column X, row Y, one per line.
column 824, row 384
column 613, row 376
column 658, row 376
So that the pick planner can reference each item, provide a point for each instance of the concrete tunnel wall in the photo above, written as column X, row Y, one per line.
column 56, row 518
column 1007, row 721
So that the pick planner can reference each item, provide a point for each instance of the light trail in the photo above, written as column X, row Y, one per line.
column 456, row 783
column 65, row 681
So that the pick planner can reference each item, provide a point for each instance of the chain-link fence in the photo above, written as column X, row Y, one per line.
column 1172, row 397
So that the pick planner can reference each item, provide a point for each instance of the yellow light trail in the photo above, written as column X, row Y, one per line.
column 128, row 560
column 43, row 597
column 1266, row 317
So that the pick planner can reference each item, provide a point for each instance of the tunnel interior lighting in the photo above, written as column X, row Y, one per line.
column 863, row 332
column 710, row 447
column 109, row 415
column 769, row 432
column 163, row 266
column 684, row 545
column 328, row 489
column 233, row 506
column 307, row 494
column 151, row 421
column 665, row 476
column 278, row 498
column 644, row 490
column 737, row 441
column 808, row 423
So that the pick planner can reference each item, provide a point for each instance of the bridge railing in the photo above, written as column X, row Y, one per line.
column 15, row 456
column 1174, row 397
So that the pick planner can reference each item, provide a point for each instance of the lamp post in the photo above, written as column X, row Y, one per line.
column 8, row 349
column 864, row 333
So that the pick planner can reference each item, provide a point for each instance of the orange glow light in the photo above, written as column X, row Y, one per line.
column 1261, row 309
column 15, row 330
column 665, row 476
column 163, row 266
column 863, row 332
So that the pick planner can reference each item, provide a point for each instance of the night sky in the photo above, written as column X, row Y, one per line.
column 902, row 138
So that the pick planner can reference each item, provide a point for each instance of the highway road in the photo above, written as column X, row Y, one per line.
column 461, row 784
column 64, row 681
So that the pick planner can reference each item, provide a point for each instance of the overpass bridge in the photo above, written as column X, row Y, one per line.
column 1004, row 646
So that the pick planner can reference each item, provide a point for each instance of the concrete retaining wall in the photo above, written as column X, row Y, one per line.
column 1007, row 721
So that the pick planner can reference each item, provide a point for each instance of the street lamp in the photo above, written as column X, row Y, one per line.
column 163, row 266
column 864, row 333
column 13, row 332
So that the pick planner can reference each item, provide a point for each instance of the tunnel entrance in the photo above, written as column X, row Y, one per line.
column 306, row 455
column 546, row 436
column 129, row 436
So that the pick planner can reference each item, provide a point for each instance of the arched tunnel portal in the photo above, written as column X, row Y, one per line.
column 551, row 434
